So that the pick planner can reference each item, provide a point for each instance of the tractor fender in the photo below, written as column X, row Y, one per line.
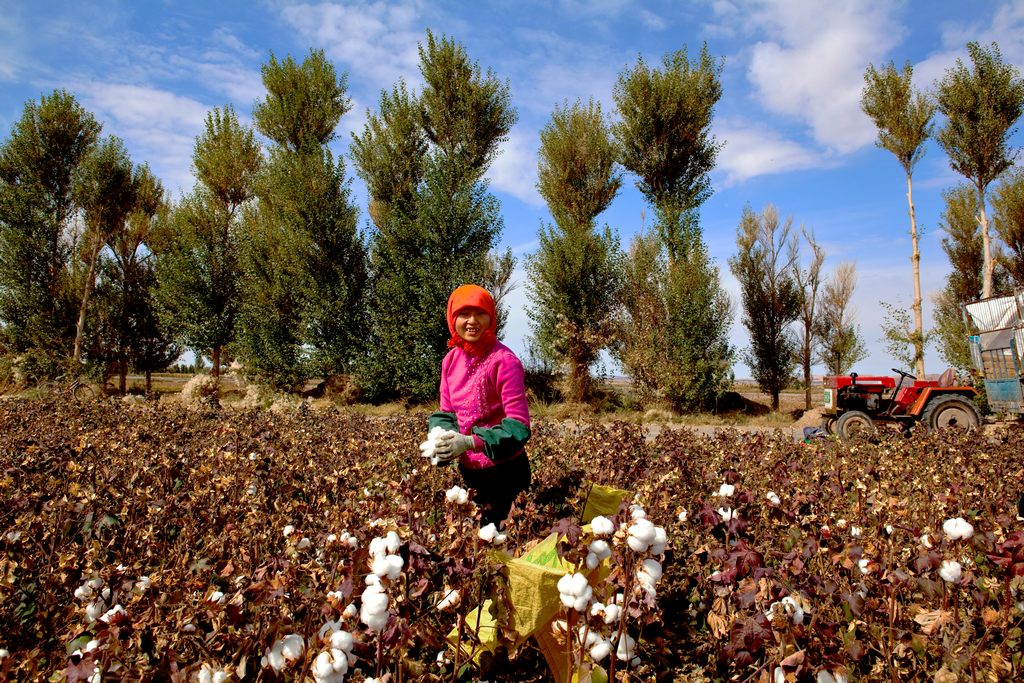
column 929, row 393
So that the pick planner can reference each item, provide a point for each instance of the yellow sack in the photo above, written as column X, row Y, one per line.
column 602, row 500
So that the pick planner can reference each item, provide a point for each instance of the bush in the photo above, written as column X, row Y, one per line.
column 201, row 390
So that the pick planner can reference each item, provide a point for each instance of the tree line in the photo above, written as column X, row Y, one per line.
column 264, row 260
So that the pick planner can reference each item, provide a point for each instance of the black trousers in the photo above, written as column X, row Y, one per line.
column 497, row 486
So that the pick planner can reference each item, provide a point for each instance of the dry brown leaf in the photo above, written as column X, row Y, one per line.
column 944, row 675
column 932, row 620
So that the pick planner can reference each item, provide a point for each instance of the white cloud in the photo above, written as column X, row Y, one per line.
column 813, row 67
column 652, row 20
column 515, row 169
column 159, row 126
column 376, row 40
column 751, row 151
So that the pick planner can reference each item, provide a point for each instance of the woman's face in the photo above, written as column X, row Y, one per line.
column 470, row 323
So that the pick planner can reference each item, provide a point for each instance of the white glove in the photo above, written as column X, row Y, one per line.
column 451, row 445
column 430, row 448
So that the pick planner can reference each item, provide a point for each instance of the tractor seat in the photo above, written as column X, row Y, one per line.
column 948, row 378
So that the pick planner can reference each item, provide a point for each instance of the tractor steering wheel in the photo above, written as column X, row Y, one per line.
column 904, row 374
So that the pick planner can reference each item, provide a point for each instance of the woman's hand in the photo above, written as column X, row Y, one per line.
column 451, row 445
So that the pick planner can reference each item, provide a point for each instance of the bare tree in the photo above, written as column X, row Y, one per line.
column 839, row 344
column 808, row 281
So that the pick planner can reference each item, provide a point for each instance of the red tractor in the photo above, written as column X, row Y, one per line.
column 854, row 403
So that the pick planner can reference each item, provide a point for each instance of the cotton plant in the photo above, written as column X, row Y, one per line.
column 627, row 549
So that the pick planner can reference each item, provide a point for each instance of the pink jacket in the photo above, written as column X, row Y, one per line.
column 486, row 393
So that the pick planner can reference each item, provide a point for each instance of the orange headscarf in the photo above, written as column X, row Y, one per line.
column 472, row 296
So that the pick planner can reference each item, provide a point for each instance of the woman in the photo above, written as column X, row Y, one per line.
column 483, row 405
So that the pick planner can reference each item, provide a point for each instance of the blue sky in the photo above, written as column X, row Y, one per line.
column 789, row 117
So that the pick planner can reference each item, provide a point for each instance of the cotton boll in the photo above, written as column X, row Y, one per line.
column 683, row 516
column 779, row 675
column 660, row 539
column 950, row 571
column 216, row 598
column 378, row 547
column 392, row 542
column 825, row 676
column 636, row 512
column 643, row 531
column 601, row 549
column 592, row 561
column 450, row 600
column 143, row 584
column 626, row 648
column 487, row 533
column 612, row 613
column 292, row 646
column 275, row 657
column 773, row 498
column 500, row 539
column 602, row 526
column 93, row 611
column 288, row 530
column 652, row 568
column 600, row 650
column 727, row 514
column 304, row 543
column 855, row 532
column 726, row 490
column 958, row 529
column 342, row 640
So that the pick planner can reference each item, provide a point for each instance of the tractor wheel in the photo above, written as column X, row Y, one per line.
column 854, row 425
column 950, row 412
column 828, row 423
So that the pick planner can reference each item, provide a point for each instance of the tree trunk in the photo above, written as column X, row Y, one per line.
column 216, row 362
column 989, row 266
column 89, row 281
column 122, row 368
column 149, row 382
column 807, row 366
column 775, row 400
column 915, row 260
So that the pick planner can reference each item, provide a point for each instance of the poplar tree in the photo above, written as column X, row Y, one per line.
column 197, row 248
column 981, row 105
column 903, row 117
column 808, row 282
column 840, row 346
column 39, row 164
column 574, row 273
column 1008, row 218
column 423, row 158
column 962, row 245
column 106, row 190
column 765, row 267
column 303, row 257
column 665, row 141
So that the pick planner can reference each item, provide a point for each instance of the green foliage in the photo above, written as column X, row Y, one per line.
column 902, row 115
column 764, row 266
column 390, row 155
column 198, row 269
column 902, row 341
column 665, row 137
column 465, row 113
column 106, row 190
column 673, row 335
column 674, row 329
column 963, row 247
column 423, row 159
column 1008, row 219
column 304, row 102
column 574, row 274
column 839, row 344
column 981, row 105
column 303, row 311
column 39, row 164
